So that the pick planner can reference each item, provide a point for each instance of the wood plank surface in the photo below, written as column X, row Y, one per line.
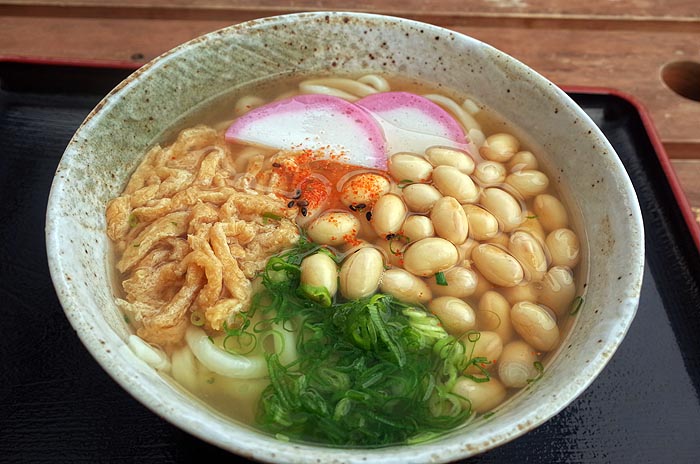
column 621, row 44
column 637, row 10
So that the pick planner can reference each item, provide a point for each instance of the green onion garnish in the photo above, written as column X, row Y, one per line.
column 576, row 305
column 273, row 216
column 197, row 319
column 540, row 372
column 396, row 237
column 358, row 362
column 440, row 279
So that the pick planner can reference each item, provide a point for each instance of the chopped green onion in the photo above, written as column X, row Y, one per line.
column 440, row 279
column 534, row 216
column 281, row 437
column 126, row 319
column 396, row 237
column 576, row 305
column 329, row 253
column 133, row 220
column 404, row 183
column 197, row 319
column 273, row 216
column 321, row 295
column 356, row 366
column 487, row 415
column 540, row 372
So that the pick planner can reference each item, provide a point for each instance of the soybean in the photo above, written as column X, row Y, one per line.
column 517, row 364
column 564, row 247
column 528, row 183
column 333, row 228
column 452, row 182
column 499, row 147
column 528, row 291
column 490, row 172
column 450, row 220
column 405, row 287
column 536, row 325
column 461, row 283
column 501, row 239
column 532, row 226
column 482, row 224
column 360, row 273
column 417, row 227
column 499, row 267
column 420, row 198
column 484, row 344
column 482, row 284
column 428, row 256
column 494, row 314
column 409, row 166
column 529, row 253
column 456, row 316
column 522, row 160
column 482, row 396
column 503, row 206
column 388, row 215
column 364, row 189
column 550, row 212
column 443, row 156
column 319, row 270
column 558, row 290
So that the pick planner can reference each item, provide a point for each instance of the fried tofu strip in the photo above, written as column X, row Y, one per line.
column 191, row 240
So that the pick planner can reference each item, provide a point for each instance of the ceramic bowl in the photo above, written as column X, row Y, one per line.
column 116, row 134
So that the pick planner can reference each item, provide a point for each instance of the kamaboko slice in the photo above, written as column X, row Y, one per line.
column 413, row 123
column 325, row 124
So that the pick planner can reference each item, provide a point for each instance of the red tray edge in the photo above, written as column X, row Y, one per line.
column 664, row 159
column 650, row 128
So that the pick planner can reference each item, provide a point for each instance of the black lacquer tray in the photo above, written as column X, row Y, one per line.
column 57, row 404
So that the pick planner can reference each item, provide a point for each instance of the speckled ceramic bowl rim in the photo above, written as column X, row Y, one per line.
column 205, row 424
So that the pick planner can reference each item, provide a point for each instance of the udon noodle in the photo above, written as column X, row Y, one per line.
column 326, row 301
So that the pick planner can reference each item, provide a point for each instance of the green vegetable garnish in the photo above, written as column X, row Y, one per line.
column 440, row 279
column 273, row 216
column 576, row 305
column 540, row 372
column 133, row 220
column 317, row 294
column 373, row 371
column 396, row 237
column 404, row 183
column 197, row 319
column 534, row 216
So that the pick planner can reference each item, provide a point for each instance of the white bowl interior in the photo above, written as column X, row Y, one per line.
column 116, row 135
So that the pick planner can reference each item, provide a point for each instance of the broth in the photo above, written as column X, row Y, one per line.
column 484, row 282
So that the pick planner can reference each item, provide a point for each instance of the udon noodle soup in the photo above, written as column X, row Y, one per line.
column 347, row 262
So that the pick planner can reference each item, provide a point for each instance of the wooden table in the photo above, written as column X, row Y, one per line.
column 645, row 48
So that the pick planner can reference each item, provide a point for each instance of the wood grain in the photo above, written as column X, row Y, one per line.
column 685, row 11
column 566, row 56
